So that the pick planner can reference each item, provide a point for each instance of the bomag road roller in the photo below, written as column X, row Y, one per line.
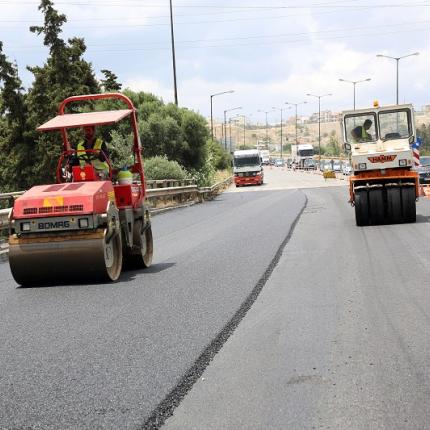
column 384, row 187
column 85, row 226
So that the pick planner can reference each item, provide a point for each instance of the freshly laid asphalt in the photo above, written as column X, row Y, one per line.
column 338, row 338
column 122, row 355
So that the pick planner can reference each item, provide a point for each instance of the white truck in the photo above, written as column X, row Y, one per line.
column 300, row 153
column 247, row 167
column 383, row 187
column 265, row 157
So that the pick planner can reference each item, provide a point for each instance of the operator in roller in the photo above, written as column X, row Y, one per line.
column 98, row 158
column 360, row 133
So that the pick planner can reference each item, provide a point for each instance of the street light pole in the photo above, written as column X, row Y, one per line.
column 244, row 128
column 267, row 137
column 319, row 121
column 296, row 104
column 225, row 124
column 173, row 54
column 397, row 69
column 212, row 120
column 281, row 110
column 354, row 83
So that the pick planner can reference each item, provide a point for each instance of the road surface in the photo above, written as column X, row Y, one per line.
column 313, row 324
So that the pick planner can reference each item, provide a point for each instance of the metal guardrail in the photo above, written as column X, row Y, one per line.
column 166, row 193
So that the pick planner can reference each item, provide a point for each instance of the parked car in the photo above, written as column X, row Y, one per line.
column 346, row 168
column 337, row 166
column 424, row 170
column 310, row 164
column 328, row 165
column 279, row 162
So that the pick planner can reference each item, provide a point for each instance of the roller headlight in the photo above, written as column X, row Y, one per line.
column 83, row 223
column 25, row 226
column 362, row 166
column 403, row 163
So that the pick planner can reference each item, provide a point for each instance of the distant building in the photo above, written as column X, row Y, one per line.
column 326, row 116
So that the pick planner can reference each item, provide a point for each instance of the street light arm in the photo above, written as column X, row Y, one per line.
column 223, row 92
column 397, row 58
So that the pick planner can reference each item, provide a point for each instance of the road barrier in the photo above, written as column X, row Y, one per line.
column 161, row 195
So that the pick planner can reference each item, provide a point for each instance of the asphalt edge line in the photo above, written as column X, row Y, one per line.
column 165, row 409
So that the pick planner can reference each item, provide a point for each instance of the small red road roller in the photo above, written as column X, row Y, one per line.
column 86, row 226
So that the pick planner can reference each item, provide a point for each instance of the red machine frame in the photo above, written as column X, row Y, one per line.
column 137, row 168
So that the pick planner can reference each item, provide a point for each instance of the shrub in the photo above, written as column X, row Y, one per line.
column 221, row 159
column 205, row 176
column 162, row 168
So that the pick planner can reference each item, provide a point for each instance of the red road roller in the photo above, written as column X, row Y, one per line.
column 86, row 226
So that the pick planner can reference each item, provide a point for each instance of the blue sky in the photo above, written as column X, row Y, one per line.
column 269, row 51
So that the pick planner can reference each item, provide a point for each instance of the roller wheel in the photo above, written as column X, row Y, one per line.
column 140, row 256
column 113, row 257
column 376, row 205
column 394, row 205
column 409, row 204
column 361, row 208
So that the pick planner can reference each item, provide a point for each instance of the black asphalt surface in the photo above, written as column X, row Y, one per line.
column 105, row 356
column 339, row 337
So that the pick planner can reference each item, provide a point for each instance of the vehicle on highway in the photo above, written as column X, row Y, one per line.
column 300, row 153
column 247, row 168
column 265, row 157
column 310, row 164
column 424, row 170
column 327, row 165
column 337, row 166
column 279, row 162
column 384, row 187
column 87, row 224
column 346, row 168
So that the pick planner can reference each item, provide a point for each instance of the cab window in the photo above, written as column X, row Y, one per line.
column 395, row 125
column 360, row 128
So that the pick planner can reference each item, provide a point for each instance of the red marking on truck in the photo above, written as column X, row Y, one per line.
column 382, row 158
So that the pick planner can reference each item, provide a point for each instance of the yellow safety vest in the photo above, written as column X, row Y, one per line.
column 80, row 151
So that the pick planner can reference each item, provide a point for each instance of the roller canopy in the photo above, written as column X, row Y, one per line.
column 84, row 119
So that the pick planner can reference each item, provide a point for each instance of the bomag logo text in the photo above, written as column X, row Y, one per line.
column 53, row 225
column 382, row 158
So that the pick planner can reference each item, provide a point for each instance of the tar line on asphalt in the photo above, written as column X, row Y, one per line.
column 166, row 407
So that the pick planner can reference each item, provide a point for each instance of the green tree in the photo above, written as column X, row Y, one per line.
column 64, row 74
column 423, row 132
column 333, row 148
column 110, row 82
column 28, row 157
column 14, row 147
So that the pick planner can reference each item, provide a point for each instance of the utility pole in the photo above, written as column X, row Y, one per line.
column 295, row 105
column 225, row 124
column 281, row 110
column 173, row 54
column 354, row 83
column 212, row 119
column 267, row 125
column 397, row 69
column 319, row 122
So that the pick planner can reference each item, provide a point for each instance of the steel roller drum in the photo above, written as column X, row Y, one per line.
column 65, row 258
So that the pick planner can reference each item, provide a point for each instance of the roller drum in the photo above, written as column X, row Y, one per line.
column 65, row 258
